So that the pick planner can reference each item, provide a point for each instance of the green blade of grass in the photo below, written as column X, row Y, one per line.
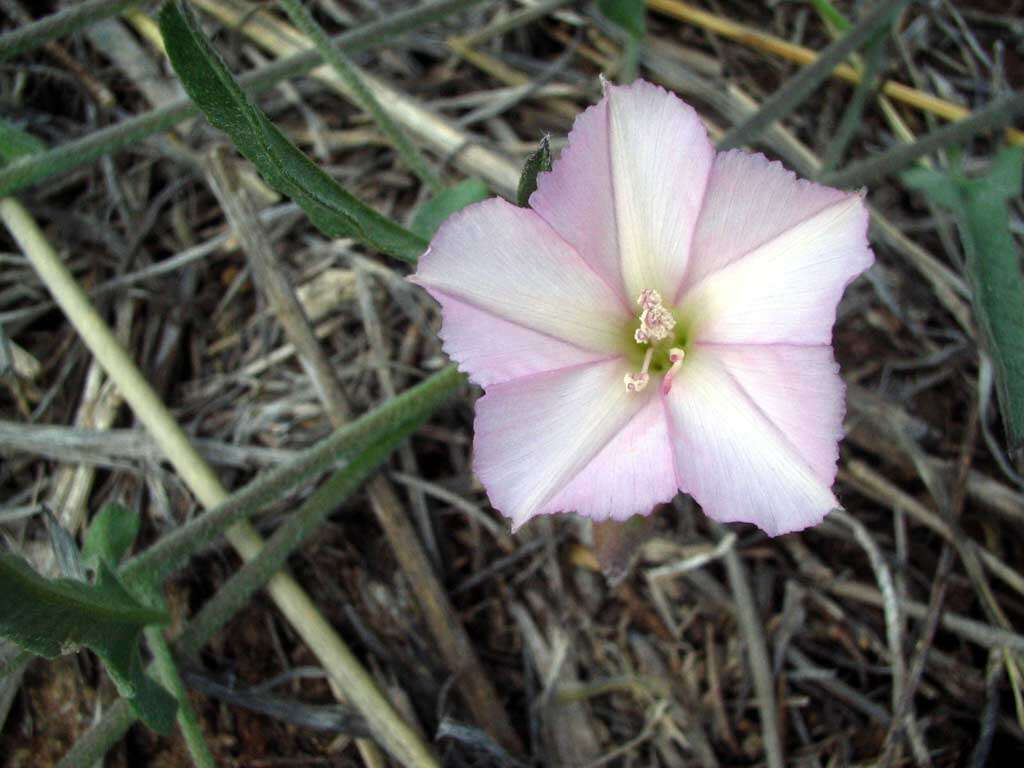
column 801, row 85
column 997, row 114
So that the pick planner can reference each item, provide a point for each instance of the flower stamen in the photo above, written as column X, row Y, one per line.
column 656, row 322
column 635, row 382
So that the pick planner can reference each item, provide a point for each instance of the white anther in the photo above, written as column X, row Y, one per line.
column 635, row 382
column 656, row 322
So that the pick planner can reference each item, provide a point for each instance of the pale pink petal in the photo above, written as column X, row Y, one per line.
column 627, row 191
column 492, row 350
column 661, row 158
column 575, row 198
column 508, row 262
column 632, row 474
column 799, row 390
column 733, row 459
column 749, row 201
column 535, row 434
column 785, row 291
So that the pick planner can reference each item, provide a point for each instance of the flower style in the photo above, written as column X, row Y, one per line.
column 659, row 319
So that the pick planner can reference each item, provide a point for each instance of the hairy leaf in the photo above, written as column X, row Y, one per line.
column 994, row 269
column 538, row 162
column 432, row 213
column 50, row 617
column 110, row 535
column 212, row 87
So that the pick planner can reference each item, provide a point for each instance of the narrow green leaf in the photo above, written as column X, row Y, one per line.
column 15, row 143
column 51, row 617
column 630, row 15
column 538, row 162
column 432, row 213
column 213, row 88
column 110, row 535
column 832, row 15
column 994, row 269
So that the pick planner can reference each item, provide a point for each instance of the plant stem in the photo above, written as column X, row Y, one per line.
column 176, row 546
column 62, row 22
column 300, row 525
column 393, row 733
column 163, row 660
column 74, row 154
column 349, row 73
column 802, row 84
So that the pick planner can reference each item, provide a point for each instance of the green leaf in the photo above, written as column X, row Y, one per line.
column 432, row 213
column 538, row 162
column 110, row 535
column 15, row 143
column 212, row 87
column 993, row 267
column 154, row 705
column 630, row 15
column 51, row 617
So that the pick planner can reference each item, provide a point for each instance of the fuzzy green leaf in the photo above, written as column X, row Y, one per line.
column 432, row 213
column 994, row 269
column 110, row 535
column 212, row 87
column 538, row 162
column 51, row 617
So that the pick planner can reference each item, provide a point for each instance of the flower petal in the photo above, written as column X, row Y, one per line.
column 492, row 350
column 799, row 390
column 634, row 472
column 732, row 458
column 627, row 190
column 749, row 201
column 535, row 434
column 506, row 261
column 785, row 291
column 575, row 198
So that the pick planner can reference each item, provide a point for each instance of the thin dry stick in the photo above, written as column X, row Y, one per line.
column 753, row 38
column 242, row 217
column 757, row 654
column 389, row 728
column 442, row 620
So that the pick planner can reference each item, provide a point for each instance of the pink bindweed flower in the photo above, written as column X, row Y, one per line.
column 659, row 319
